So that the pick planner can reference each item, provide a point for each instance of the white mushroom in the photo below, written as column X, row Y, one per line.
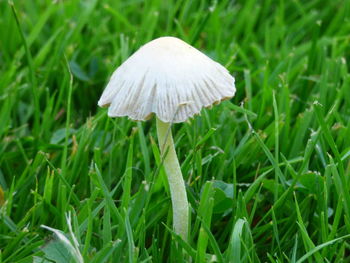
column 173, row 80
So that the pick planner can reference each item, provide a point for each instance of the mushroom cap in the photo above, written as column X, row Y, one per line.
column 169, row 78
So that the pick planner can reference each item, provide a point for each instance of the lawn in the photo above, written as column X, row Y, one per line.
column 267, row 173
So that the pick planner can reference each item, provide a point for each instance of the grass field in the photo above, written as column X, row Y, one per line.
column 267, row 173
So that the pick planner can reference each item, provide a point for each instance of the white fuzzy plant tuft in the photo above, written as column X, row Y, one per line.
column 71, row 244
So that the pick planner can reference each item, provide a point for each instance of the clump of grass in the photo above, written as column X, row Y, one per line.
column 266, row 173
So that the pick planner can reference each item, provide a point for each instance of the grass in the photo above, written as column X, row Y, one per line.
column 267, row 173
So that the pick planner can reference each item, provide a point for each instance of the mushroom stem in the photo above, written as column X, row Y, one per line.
column 175, row 179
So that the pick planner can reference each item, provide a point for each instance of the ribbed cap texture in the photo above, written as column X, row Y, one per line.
column 169, row 78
